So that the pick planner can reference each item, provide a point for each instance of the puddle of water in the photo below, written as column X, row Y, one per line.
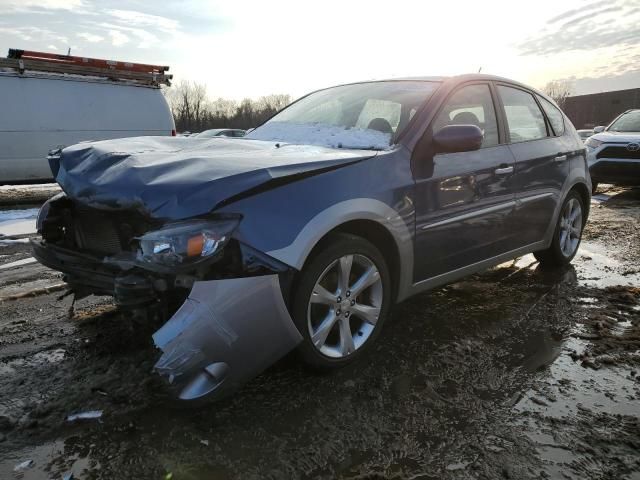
column 53, row 458
column 602, row 391
column 38, row 359
column 599, row 270
column 18, row 222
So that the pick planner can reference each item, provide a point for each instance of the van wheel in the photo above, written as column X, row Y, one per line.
column 594, row 188
column 568, row 233
column 341, row 301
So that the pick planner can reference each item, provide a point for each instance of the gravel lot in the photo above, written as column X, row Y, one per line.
column 518, row 373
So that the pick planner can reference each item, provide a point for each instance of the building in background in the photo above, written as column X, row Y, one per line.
column 588, row 111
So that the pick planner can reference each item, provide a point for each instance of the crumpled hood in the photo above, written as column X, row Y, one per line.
column 181, row 177
column 617, row 137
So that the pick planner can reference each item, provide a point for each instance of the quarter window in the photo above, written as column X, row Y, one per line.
column 471, row 105
column 553, row 114
column 524, row 118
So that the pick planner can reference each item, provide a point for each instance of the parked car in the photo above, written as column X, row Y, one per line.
column 221, row 132
column 614, row 151
column 585, row 133
column 305, row 232
column 41, row 112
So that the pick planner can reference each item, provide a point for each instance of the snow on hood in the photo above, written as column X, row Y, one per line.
column 182, row 177
column 321, row 134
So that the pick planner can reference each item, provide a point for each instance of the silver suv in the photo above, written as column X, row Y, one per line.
column 613, row 153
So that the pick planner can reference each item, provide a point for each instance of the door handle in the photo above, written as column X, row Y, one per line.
column 503, row 170
column 560, row 158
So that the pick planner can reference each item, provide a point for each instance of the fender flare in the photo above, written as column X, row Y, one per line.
column 296, row 253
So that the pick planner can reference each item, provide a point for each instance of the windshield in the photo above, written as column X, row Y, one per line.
column 628, row 122
column 364, row 115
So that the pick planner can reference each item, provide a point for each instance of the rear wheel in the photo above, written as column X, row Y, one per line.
column 594, row 187
column 341, row 301
column 567, row 235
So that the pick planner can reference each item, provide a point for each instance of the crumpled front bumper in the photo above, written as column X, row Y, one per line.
column 226, row 332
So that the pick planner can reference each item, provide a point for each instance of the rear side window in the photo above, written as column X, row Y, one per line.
column 524, row 118
column 554, row 115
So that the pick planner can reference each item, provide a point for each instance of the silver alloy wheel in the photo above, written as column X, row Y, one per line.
column 345, row 305
column 570, row 227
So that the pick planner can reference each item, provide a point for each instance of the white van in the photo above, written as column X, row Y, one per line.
column 42, row 111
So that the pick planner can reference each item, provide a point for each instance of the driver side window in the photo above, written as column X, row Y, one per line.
column 471, row 105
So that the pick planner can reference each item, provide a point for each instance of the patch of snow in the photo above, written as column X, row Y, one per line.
column 18, row 222
column 35, row 186
column 18, row 263
column 321, row 134
column 6, row 215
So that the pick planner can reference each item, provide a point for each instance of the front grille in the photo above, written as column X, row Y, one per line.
column 619, row 152
column 108, row 232
column 101, row 232
column 96, row 232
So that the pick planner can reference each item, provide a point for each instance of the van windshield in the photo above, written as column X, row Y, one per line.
column 364, row 115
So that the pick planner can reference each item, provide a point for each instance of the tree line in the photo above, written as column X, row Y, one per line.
column 194, row 111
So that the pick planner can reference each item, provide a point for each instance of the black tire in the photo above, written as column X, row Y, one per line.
column 335, row 247
column 553, row 256
column 594, row 187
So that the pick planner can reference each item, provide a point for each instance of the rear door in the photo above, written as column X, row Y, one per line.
column 464, row 200
column 541, row 159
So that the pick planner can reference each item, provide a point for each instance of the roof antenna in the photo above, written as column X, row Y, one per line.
column 480, row 69
column 69, row 52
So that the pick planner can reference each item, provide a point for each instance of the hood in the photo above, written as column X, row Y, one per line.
column 182, row 177
column 617, row 137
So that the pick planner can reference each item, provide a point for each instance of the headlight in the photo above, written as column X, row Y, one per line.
column 593, row 143
column 186, row 242
column 44, row 211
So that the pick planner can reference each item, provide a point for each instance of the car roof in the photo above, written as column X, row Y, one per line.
column 466, row 77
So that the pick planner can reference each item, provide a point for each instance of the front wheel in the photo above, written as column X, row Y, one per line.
column 567, row 235
column 341, row 301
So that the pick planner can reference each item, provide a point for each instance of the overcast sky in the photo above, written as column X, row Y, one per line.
column 252, row 48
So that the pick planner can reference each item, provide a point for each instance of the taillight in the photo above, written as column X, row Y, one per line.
column 173, row 132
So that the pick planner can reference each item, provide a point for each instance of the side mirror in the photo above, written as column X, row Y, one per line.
column 458, row 138
column 598, row 129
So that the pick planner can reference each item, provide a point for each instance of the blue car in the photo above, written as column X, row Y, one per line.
column 304, row 233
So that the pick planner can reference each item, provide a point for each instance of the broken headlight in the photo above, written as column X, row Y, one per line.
column 186, row 242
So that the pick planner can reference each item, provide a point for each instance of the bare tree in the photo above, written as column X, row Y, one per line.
column 188, row 103
column 559, row 90
column 274, row 102
column 193, row 111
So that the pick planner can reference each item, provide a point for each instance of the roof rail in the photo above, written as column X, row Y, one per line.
column 144, row 74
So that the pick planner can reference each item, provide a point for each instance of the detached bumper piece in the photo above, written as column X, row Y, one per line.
column 226, row 332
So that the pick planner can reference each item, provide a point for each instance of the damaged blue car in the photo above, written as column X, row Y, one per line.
column 304, row 233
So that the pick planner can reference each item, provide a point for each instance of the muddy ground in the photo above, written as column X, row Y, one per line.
column 516, row 373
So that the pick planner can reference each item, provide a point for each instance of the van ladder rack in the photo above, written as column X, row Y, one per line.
column 141, row 73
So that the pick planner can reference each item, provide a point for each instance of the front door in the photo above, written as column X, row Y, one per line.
column 464, row 201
